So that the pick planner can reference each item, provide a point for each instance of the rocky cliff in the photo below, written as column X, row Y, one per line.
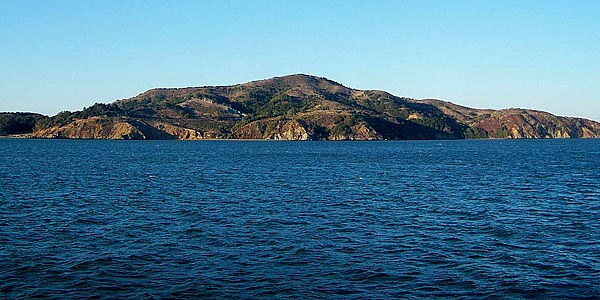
column 300, row 107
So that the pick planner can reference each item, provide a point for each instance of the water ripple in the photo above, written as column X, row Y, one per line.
column 169, row 219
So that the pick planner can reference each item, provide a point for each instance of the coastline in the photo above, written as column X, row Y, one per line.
column 17, row 136
column 30, row 136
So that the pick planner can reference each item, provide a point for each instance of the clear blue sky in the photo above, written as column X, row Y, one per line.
column 63, row 55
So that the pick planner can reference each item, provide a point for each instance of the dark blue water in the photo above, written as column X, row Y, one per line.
column 173, row 219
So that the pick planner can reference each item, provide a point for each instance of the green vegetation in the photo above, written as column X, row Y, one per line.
column 343, row 124
column 18, row 123
column 443, row 123
column 501, row 133
column 475, row 133
column 65, row 117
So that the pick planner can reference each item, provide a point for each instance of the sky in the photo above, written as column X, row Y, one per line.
column 64, row 55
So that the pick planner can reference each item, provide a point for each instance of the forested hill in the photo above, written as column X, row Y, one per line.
column 18, row 122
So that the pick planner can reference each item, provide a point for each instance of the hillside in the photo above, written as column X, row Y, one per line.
column 300, row 107
column 517, row 123
column 18, row 122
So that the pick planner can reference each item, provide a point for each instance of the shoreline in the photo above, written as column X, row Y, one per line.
column 29, row 136
column 17, row 136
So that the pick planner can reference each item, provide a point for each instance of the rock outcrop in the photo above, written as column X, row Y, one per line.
column 117, row 129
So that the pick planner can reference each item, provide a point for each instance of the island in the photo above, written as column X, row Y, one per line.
column 294, row 107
